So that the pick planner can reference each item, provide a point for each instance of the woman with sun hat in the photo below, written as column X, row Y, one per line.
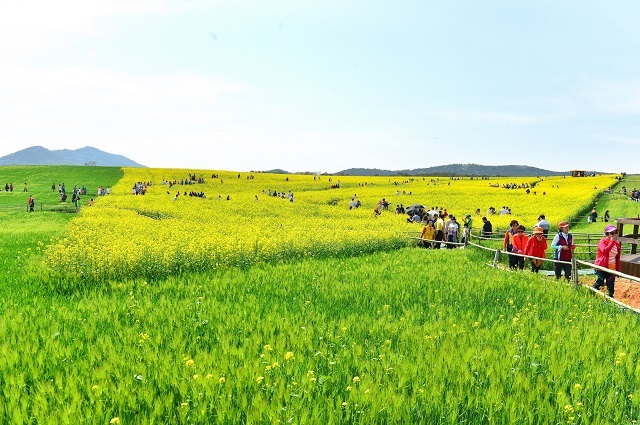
column 536, row 247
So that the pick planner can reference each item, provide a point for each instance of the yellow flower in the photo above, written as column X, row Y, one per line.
column 222, row 380
column 349, row 388
column 196, row 376
column 259, row 379
column 578, row 387
column 268, row 347
column 115, row 420
column 190, row 363
column 209, row 376
column 356, row 380
column 95, row 388
column 288, row 356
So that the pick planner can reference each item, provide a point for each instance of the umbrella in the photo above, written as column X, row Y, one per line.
column 413, row 208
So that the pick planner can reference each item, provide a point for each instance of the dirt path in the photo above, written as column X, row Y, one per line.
column 627, row 292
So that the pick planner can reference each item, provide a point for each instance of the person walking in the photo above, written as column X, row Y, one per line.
column 439, row 232
column 507, row 244
column 593, row 217
column 452, row 233
column 542, row 222
column 520, row 240
column 426, row 236
column 468, row 221
column 536, row 247
column 563, row 245
column 608, row 256
column 487, row 228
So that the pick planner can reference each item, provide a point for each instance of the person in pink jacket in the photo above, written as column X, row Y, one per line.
column 536, row 247
column 608, row 256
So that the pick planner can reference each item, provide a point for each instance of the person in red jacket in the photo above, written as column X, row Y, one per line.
column 608, row 256
column 536, row 247
column 508, row 242
column 519, row 242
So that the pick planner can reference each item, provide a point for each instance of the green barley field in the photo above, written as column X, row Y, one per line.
column 398, row 336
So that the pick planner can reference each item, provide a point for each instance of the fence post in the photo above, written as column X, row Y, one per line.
column 574, row 272
column 496, row 258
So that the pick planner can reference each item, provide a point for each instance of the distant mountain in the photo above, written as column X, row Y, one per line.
column 459, row 170
column 37, row 155
column 277, row 171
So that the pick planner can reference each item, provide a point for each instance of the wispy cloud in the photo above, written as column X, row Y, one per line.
column 80, row 103
column 612, row 96
column 488, row 116
column 634, row 141
column 82, row 86
column 26, row 28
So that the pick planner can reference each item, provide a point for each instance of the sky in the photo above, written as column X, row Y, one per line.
column 323, row 86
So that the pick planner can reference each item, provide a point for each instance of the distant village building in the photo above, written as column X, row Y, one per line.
column 578, row 173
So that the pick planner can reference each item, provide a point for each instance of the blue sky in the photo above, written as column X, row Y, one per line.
column 325, row 85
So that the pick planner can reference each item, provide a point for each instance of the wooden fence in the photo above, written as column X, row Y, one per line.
column 574, row 262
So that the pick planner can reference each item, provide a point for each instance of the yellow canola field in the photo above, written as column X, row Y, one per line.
column 152, row 235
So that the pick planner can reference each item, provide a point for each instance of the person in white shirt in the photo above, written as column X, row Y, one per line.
column 542, row 222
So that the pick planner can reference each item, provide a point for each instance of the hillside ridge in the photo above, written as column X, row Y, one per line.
column 473, row 170
column 38, row 155
column 460, row 170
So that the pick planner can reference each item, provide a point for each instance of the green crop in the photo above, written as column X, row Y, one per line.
column 383, row 337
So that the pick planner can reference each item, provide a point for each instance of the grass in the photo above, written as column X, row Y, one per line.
column 617, row 203
column 406, row 336
column 40, row 179
column 402, row 337
column 25, row 234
